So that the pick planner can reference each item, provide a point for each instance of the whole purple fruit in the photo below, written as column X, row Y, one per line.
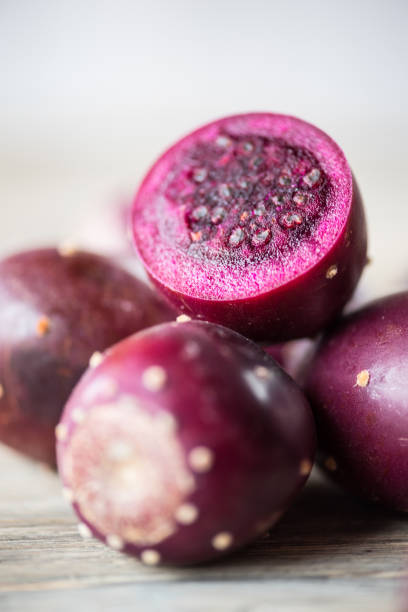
column 56, row 310
column 184, row 443
column 254, row 222
column 358, row 388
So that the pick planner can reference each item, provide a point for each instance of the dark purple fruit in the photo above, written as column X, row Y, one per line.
column 184, row 443
column 56, row 311
column 255, row 222
column 358, row 388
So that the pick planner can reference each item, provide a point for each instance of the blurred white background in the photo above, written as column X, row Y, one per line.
column 92, row 91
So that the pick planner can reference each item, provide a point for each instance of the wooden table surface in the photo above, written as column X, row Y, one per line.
column 329, row 553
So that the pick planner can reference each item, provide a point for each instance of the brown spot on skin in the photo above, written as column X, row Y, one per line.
column 305, row 467
column 222, row 540
column 1, row 391
column 331, row 464
column 387, row 334
column 64, row 372
column 6, row 418
column 67, row 346
column 332, row 271
column 362, row 378
column 43, row 326
column 371, row 418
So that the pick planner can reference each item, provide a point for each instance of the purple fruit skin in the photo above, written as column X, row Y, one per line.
column 285, row 313
column 302, row 307
column 259, row 428
column 363, row 422
column 55, row 312
column 293, row 356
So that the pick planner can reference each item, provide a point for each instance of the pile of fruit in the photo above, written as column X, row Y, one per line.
column 179, row 438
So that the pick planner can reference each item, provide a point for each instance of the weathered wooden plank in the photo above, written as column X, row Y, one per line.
column 248, row 596
column 328, row 549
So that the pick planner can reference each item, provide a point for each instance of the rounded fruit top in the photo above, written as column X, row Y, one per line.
column 185, row 442
column 242, row 206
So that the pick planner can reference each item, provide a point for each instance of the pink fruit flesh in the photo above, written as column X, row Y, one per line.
column 186, row 442
column 357, row 385
column 255, row 222
column 55, row 312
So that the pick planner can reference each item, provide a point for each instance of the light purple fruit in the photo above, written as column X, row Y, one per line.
column 358, row 388
column 186, row 442
column 255, row 222
column 56, row 310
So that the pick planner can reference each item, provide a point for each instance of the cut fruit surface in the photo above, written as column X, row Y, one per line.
column 241, row 221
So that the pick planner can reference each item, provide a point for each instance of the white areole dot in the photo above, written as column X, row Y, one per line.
column 84, row 531
column 201, row 459
column 150, row 557
column 222, row 540
column 183, row 318
column 154, row 378
column 61, row 431
column 115, row 541
column 95, row 359
column 186, row 514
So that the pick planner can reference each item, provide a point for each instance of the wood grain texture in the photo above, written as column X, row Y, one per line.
column 329, row 553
